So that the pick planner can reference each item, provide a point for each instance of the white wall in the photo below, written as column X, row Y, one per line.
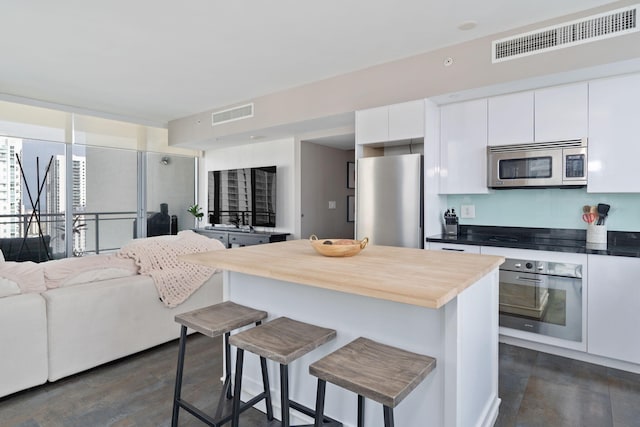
column 281, row 153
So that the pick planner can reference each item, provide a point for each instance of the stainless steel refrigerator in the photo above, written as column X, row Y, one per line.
column 389, row 200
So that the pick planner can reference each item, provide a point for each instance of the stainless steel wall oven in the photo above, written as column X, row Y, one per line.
column 542, row 297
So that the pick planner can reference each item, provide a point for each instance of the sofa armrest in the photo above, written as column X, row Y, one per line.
column 23, row 352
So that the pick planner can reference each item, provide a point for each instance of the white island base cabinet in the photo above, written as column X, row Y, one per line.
column 614, row 307
column 462, row 391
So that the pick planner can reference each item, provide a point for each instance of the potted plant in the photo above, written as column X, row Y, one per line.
column 196, row 211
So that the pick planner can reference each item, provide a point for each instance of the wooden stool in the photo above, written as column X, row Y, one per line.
column 379, row 372
column 213, row 321
column 282, row 340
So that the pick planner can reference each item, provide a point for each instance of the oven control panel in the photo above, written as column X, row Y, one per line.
column 542, row 267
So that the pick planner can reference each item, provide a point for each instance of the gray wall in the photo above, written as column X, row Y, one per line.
column 323, row 179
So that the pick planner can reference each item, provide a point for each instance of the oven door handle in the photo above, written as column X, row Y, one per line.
column 529, row 279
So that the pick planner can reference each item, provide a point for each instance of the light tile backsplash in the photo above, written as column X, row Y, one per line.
column 548, row 208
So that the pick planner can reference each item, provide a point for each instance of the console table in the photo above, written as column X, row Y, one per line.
column 241, row 238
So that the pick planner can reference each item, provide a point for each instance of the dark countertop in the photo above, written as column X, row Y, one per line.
column 619, row 243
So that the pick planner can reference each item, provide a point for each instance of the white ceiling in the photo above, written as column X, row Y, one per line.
column 151, row 61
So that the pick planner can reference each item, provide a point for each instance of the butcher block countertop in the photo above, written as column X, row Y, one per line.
column 412, row 276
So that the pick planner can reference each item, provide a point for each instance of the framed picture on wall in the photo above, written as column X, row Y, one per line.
column 351, row 175
column 351, row 208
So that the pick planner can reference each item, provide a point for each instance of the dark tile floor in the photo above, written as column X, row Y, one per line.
column 537, row 389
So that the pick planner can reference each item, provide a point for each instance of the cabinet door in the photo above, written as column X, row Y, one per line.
column 561, row 113
column 463, row 148
column 372, row 125
column 437, row 246
column 406, row 120
column 222, row 236
column 614, row 307
column 614, row 109
column 511, row 119
column 248, row 239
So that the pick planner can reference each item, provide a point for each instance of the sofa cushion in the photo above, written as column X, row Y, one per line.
column 79, row 270
column 8, row 287
column 28, row 275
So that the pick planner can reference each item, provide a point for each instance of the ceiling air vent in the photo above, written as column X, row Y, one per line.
column 596, row 27
column 232, row 114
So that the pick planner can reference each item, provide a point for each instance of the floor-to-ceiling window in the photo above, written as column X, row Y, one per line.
column 73, row 184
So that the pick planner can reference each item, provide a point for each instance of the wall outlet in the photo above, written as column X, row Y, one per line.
column 467, row 211
column 332, row 204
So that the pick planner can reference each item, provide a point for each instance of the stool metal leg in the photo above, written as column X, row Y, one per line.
column 267, row 391
column 284, row 394
column 179, row 370
column 235, row 421
column 227, row 362
column 322, row 386
column 360, row 411
column 388, row 416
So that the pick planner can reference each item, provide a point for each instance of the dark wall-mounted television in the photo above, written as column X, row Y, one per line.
column 245, row 196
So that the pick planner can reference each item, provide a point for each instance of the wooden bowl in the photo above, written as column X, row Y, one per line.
column 338, row 247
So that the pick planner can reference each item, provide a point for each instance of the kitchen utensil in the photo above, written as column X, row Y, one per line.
column 337, row 247
column 603, row 211
column 589, row 218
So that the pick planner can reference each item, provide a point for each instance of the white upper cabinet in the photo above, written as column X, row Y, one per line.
column 511, row 119
column 614, row 128
column 614, row 307
column 372, row 125
column 556, row 113
column 561, row 113
column 390, row 123
column 463, row 148
column 406, row 120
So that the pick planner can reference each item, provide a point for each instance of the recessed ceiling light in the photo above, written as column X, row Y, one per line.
column 467, row 25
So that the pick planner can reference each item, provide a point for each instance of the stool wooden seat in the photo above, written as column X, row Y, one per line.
column 282, row 340
column 213, row 321
column 373, row 370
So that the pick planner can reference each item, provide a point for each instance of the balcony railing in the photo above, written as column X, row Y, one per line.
column 93, row 232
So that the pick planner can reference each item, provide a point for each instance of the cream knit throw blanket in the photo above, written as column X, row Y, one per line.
column 157, row 257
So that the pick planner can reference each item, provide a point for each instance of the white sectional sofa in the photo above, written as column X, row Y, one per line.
column 55, row 329
column 23, row 342
column 116, row 318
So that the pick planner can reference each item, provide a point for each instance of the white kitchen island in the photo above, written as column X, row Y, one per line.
column 441, row 304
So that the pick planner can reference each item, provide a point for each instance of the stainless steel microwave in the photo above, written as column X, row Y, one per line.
column 549, row 164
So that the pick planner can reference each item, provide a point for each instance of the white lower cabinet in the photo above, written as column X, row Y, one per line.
column 614, row 307
column 453, row 247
